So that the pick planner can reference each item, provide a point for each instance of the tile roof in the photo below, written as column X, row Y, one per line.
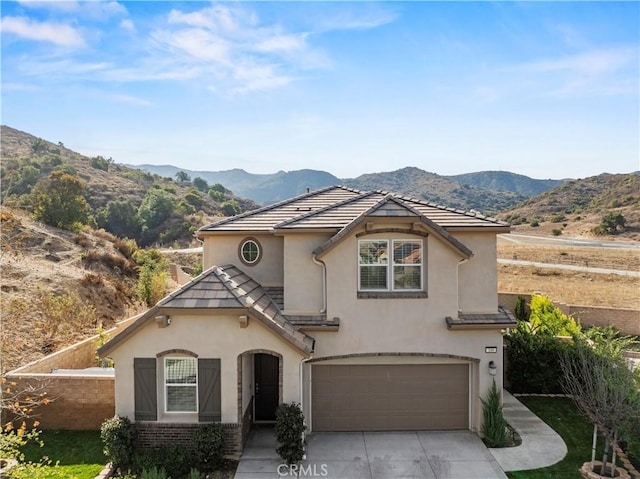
column 335, row 207
column 503, row 318
column 225, row 287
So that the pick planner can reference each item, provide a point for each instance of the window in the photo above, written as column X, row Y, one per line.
column 181, row 384
column 250, row 251
column 177, row 378
column 405, row 273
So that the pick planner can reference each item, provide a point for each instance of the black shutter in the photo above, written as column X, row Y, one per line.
column 209, row 392
column 145, row 392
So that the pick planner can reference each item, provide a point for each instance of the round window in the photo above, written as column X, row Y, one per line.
column 250, row 251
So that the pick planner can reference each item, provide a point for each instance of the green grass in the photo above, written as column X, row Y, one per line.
column 79, row 454
column 564, row 418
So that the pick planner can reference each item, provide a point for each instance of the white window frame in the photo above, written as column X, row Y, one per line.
column 258, row 252
column 166, row 385
column 391, row 264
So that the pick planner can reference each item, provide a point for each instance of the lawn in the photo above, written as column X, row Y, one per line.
column 79, row 454
column 564, row 418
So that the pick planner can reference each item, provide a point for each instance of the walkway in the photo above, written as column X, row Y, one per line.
column 541, row 446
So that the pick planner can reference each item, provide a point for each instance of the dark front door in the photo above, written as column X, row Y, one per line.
column 266, row 386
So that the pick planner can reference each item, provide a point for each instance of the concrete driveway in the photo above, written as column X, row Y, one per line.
column 375, row 455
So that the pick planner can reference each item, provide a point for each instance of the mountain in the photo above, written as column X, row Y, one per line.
column 414, row 182
column 113, row 193
column 261, row 188
column 506, row 181
column 577, row 206
column 410, row 181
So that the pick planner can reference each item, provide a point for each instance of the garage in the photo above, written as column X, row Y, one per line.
column 390, row 397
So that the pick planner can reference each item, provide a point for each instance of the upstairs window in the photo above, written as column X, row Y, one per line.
column 394, row 265
column 250, row 251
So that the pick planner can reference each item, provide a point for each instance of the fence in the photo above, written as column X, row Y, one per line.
column 81, row 399
column 626, row 320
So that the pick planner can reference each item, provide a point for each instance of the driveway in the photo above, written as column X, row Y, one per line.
column 375, row 455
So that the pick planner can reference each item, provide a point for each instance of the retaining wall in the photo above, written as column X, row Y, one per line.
column 78, row 401
column 626, row 320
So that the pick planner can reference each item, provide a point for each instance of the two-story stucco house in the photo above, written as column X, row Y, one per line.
column 374, row 311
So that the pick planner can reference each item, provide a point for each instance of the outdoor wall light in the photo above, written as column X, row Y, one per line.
column 493, row 370
column 163, row 320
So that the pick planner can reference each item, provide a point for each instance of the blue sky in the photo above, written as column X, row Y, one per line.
column 545, row 89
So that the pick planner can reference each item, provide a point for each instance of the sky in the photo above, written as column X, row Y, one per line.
column 543, row 89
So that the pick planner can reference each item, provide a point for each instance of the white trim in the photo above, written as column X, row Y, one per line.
column 391, row 264
column 165, row 385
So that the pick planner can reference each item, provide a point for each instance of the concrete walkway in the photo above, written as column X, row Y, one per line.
column 375, row 455
column 418, row 455
column 541, row 446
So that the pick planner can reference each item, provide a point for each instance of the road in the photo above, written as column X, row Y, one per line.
column 543, row 240
column 570, row 267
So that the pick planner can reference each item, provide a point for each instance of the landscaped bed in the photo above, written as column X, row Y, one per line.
column 564, row 418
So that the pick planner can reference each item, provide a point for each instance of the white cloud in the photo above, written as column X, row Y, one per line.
column 127, row 24
column 195, row 42
column 282, row 43
column 595, row 62
column 131, row 100
column 217, row 17
column 364, row 17
column 57, row 33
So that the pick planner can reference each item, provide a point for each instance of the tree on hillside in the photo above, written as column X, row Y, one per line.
column 183, row 177
column 157, row 207
column 201, row 184
column 59, row 200
column 121, row 218
column 612, row 224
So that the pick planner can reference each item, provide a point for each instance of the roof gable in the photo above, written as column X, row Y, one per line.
column 392, row 206
column 223, row 287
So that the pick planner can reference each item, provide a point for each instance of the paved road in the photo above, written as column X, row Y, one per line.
column 544, row 240
column 570, row 267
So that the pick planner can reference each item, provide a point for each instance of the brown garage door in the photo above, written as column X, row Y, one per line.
column 390, row 397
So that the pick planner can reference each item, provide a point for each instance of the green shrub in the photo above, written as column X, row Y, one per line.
column 208, row 444
column 118, row 436
column 494, row 426
column 175, row 460
column 546, row 318
column 194, row 473
column 520, row 309
column 289, row 432
column 556, row 231
column 534, row 223
column 534, row 361
column 153, row 473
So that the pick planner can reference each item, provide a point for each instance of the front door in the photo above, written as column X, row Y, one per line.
column 266, row 381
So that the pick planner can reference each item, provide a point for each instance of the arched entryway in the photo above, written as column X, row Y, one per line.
column 259, row 385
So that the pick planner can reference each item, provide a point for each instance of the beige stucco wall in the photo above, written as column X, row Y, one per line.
column 208, row 336
column 269, row 271
column 478, row 277
column 302, row 277
column 408, row 325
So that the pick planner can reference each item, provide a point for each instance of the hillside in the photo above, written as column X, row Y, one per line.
column 427, row 186
column 51, row 281
column 261, row 188
column 114, row 193
column 506, row 181
column 410, row 181
column 577, row 206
